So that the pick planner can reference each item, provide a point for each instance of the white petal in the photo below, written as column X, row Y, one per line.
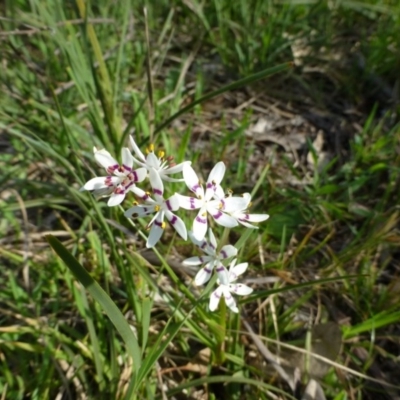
column 192, row 261
column 139, row 192
column 234, row 203
column 192, row 181
column 240, row 289
column 223, row 276
column 200, row 225
column 176, row 168
column 140, row 174
column 212, row 241
column 228, row 251
column 106, row 191
column 247, row 197
column 167, row 178
column 127, row 159
column 223, row 219
column 136, row 149
column 254, row 217
column 155, row 234
column 178, row 224
column 156, row 182
column 203, row 276
column 116, row 199
column 219, row 192
column 173, row 202
column 235, row 271
column 247, row 225
column 153, row 161
column 215, row 298
column 189, row 203
column 104, row 158
column 229, row 300
column 139, row 211
column 217, row 173
column 199, row 243
column 96, row 183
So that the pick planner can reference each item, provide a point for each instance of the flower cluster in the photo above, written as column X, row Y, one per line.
column 209, row 200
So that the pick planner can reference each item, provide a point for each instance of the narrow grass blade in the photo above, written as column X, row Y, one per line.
column 101, row 297
column 235, row 85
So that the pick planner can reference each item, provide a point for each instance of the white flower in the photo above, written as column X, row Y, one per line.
column 161, row 207
column 164, row 166
column 123, row 181
column 226, row 289
column 209, row 201
column 242, row 215
column 211, row 260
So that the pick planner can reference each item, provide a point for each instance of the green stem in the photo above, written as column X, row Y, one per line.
column 220, row 348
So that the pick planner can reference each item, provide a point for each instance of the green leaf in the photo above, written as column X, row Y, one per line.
column 101, row 297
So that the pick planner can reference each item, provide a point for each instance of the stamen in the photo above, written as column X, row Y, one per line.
column 150, row 149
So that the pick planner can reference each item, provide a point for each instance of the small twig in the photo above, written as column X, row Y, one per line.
column 270, row 357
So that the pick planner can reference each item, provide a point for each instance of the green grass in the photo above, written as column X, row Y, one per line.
column 76, row 75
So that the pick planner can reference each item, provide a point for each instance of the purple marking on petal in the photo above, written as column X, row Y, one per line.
column 223, row 254
column 217, row 215
column 195, row 187
column 201, row 259
column 222, row 204
column 112, row 168
column 220, row 268
column 157, row 191
column 204, row 245
column 244, row 217
column 173, row 220
column 119, row 190
column 216, row 295
column 108, row 181
column 145, row 196
column 168, row 204
column 134, row 176
column 129, row 184
column 201, row 220
column 207, row 270
column 126, row 167
column 160, row 224
column 192, row 205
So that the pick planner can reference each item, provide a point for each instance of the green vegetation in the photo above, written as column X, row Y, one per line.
column 312, row 130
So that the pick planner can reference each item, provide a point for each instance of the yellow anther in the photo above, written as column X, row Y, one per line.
column 157, row 208
column 161, row 154
column 163, row 225
column 150, row 149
